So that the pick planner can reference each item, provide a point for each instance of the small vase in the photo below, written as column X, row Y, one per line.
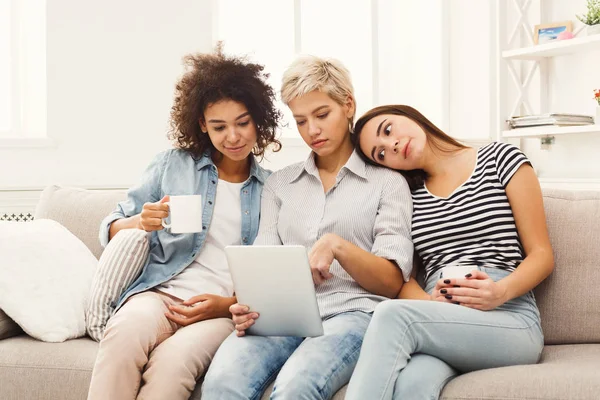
column 593, row 29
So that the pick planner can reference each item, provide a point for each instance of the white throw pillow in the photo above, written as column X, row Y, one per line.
column 120, row 264
column 45, row 278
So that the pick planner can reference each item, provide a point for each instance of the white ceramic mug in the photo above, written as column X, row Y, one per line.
column 185, row 213
column 456, row 272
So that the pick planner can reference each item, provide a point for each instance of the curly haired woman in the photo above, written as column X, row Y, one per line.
column 171, row 320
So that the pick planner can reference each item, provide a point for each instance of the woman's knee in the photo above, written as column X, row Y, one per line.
column 222, row 379
column 388, row 311
column 299, row 386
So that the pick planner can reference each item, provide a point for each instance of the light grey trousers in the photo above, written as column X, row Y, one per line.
column 412, row 348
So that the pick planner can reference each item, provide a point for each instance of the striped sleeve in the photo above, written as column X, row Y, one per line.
column 508, row 160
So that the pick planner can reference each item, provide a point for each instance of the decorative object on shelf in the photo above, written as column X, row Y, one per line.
column 565, row 35
column 592, row 17
column 554, row 119
column 597, row 98
column 545, row 33
column 593, row 29
column 546, row 142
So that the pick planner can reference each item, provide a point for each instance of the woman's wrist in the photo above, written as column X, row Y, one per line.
column 227, row 303
column 138, row 222
column 504, row 290
column 337, row 245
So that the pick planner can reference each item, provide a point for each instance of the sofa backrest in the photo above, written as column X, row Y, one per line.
column 79, row 210
column 568, row 299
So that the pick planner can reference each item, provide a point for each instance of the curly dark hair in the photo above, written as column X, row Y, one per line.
column 213, row 77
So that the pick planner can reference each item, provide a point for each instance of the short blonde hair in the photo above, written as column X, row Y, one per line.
column 310, row 73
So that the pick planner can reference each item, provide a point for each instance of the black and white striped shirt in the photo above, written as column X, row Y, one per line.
column 368, row 206
column 474, row 225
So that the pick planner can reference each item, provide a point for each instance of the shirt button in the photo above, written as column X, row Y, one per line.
column 245, row 192
column 203, row 228
column 246, row 212
column 213, row 182
column 245, row 240
column 210, row 202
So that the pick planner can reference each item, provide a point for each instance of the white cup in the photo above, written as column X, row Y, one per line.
column 456, row 272
column 185, row 213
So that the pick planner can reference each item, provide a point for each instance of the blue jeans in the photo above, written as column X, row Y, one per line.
column 303, row 368
column 441, row 339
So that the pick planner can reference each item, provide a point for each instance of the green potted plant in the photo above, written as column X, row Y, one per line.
column 592, row 17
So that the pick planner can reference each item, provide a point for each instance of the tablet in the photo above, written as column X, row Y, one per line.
column 276, row 282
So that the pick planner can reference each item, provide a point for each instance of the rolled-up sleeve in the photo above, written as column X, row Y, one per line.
column 269, row 215
column 392, row 228
column 147, row 190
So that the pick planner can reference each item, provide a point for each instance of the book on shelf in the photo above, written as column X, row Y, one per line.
column 555, row 119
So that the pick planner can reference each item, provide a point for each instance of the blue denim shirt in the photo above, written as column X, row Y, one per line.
column 177, row 172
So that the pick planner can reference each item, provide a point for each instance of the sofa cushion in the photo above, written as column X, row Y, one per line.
column 564, row 372
column 567, row 299
column 30, row 369
column 8, row 327
column 79, row 210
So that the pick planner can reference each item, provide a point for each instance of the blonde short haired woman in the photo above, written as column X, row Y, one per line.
column 354, row 218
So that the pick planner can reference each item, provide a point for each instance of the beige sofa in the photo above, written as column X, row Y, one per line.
column 569, row 302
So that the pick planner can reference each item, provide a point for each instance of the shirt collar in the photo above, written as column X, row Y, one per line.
column 354, row 164
column 255, row 169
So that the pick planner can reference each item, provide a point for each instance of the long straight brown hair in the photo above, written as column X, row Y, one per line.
column 435, row 137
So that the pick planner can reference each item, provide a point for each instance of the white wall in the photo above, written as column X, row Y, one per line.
column 471, row 67
column 413, row 57
column 111, row 70
column 395, row 50
column 112, row 65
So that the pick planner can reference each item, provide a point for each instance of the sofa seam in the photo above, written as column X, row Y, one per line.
column 8, row 366
column 569, row 199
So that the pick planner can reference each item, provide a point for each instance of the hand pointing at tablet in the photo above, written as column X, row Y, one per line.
column 321, row 256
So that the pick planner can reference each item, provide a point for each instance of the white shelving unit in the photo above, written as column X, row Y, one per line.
column 542, row 131
column 510, row 66
column 554, row 49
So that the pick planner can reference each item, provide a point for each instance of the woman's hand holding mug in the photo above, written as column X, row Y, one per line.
column 152, row 215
